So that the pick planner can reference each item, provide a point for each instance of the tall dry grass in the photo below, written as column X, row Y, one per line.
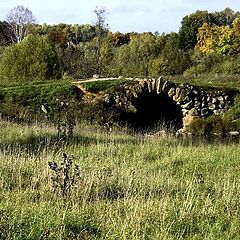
column 131, row 187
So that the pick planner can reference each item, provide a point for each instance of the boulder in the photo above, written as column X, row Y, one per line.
column 212, row 106
column 204, row 112
column 185, row 100
column 178, row 90
column 214, row 100
column 134, row 92
column 149, row 85
column 188, row 105
column 220, row 98
column 193, row 112
column 153, row 84
column 197, row 103
column 143, row 84
column 171, row 92
column 233, row 133
column 96, row 76
column 183, row 94
column 166, row 86
column 159, row 85
column 185, row 112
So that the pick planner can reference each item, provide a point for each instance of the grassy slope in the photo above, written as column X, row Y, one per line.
column 221, row 82
column 132, row 187
column 32, row 95
column 24, row 102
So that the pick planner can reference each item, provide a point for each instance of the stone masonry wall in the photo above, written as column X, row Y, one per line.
column 193, row 101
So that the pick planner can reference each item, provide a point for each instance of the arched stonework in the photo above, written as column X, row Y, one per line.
column 192, row 101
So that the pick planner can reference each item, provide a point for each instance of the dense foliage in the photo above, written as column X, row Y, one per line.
column 206, row 43
column 34, row 58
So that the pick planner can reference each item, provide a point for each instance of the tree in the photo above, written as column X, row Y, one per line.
column 79, row 61
column 219, row 39
column 205, row 38
column 189, row 28
column 175, row 60
column 83, row 33
column 20, row 18
column 6, row 34
column 134, row 59
column 120, row 38
column 225, row 17
column 101, row 26
column 34, row 58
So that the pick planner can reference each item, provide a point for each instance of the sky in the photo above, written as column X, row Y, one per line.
column 123, row 15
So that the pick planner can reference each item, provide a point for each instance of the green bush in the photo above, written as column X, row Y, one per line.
column 35, row 58
column 214, row 125
column 229, row 66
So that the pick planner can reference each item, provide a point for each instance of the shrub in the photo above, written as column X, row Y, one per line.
column 34, row 58
column 214, row 125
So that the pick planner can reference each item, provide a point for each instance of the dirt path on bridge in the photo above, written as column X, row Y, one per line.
column 99, row 80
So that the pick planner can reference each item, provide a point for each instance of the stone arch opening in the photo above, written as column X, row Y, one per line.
column 153, row 111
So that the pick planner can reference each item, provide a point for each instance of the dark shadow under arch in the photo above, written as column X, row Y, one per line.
column 153, row 111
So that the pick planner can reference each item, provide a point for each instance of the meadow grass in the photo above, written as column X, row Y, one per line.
column 132, row 186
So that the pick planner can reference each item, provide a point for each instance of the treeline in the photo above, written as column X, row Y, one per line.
column 207, row 43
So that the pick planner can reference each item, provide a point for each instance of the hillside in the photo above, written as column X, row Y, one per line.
column 24, row 102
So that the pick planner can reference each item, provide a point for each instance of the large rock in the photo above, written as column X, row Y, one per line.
column 166, row 86
column 183, row 94
column 188, row 105
column 153, row 84
column 212, row 106
column 134, row 92
column 197, row 103
column 204, row 112
column 193, row 112
column 178, row 90
column 142, row 83
column 159, row 85
column 171, row 92
column 149, row 85
column 138, row 89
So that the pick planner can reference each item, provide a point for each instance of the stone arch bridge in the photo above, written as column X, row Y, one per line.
column 151, row 101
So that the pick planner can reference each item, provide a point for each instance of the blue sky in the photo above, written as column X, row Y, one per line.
column 124, row 15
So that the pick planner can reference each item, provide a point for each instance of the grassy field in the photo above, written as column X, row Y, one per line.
column 131, row 186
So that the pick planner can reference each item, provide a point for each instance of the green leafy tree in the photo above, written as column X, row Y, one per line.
column 173, row 59
column 120, row 38
column 106, row 55
column 79, row 61
column 135, row 57
column 225, row 17
column 205, row 38
column 189, row 28
column 83, row 33
column 34, row 58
